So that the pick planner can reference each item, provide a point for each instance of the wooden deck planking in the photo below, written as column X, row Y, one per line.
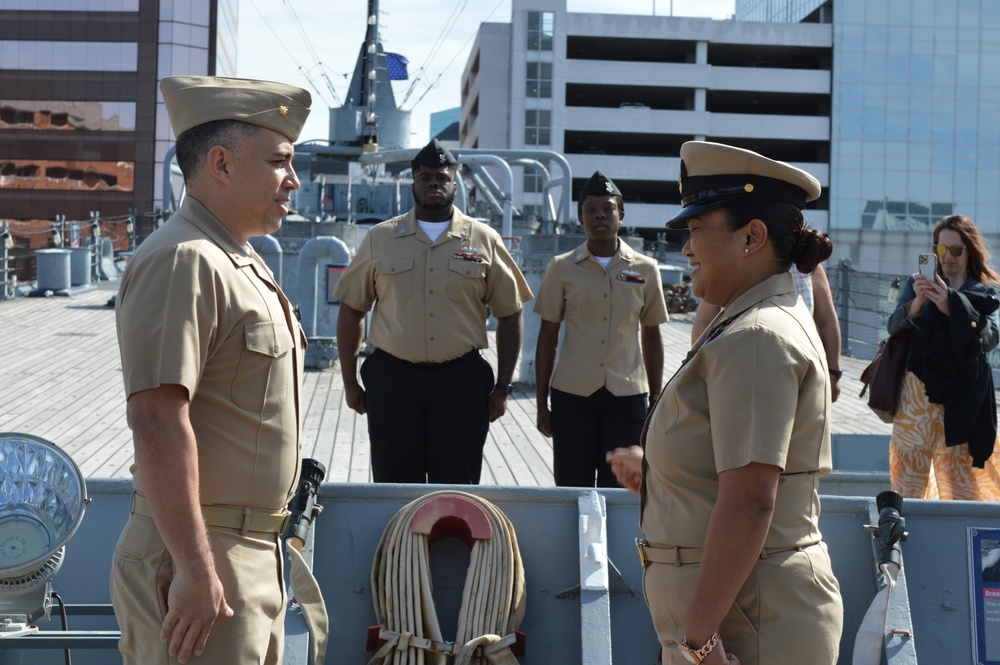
column 60, row 378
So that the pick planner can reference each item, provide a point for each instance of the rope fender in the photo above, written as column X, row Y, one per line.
column 493, row 597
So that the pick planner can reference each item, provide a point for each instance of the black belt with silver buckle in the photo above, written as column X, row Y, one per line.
column 432, row 364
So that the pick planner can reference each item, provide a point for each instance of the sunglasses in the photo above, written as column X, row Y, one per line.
column 956, row 250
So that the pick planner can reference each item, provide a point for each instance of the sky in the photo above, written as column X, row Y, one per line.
column 315, row 45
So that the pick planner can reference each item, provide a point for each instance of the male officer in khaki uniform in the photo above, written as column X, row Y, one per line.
column 212, row 361
column 431, row 273
column 609, row 296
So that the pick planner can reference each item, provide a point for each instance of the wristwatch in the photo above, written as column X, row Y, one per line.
column 837, row 373
column 697, row 656
column 507, row 388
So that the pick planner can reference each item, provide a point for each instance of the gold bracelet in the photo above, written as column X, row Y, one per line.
column 698, row 656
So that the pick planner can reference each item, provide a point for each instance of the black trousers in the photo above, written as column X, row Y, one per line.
column 585, row 429
column 427, row 422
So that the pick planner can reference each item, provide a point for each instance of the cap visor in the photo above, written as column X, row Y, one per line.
column 680, row 220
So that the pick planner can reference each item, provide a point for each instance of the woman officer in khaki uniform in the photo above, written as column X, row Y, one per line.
column 609, row 297
column 733, row 451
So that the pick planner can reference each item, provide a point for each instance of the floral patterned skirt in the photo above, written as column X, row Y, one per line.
column 922, row 466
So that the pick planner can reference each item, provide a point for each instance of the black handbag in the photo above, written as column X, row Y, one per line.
column 883, row 378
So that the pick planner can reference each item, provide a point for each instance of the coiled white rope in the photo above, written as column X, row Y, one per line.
column 492, row 600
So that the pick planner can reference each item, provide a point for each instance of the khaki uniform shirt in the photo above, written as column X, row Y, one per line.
column 430, row 297
column 195, row 309
column 755, row 391
column 603, row 310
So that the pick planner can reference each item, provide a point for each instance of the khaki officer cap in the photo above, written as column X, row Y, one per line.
column 712, row 174
column 195, row 100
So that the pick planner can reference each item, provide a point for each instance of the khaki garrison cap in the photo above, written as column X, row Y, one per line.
column 195, row 100
column 713, row 174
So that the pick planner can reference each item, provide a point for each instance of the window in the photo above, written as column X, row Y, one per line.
column 67, row 115
column 69, row 56
column 63, row 6
column 532, row 181
column 537, row 127
column 903, row 215
column 540, row 30
column 538, row 80
column 66, row 175
column 531, row 212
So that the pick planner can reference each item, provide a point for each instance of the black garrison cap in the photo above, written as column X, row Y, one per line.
column 434, row 155
column 598, row 185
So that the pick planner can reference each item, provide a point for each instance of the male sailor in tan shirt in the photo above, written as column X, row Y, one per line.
column 430, row 274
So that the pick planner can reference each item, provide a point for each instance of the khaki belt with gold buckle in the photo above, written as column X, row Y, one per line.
column 226, row 517
column 679, row 556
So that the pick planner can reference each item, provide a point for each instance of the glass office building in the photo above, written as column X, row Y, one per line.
column 82, row 127
column 915, row 132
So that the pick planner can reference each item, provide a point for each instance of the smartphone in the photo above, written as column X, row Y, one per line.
column 927, row 263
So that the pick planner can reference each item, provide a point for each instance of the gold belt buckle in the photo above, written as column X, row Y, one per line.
column 640, row 543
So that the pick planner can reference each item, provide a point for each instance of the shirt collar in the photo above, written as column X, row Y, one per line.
column 201, row 217
column 775, row 285
column 623, row 252
column 460, row 227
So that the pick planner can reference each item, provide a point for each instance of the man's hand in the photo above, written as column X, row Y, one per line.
column 193, row 605
column 166, row 454
column 498, row 403
column 354, row 396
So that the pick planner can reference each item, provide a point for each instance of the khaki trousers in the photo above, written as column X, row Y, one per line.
column 788, row 611
column 250, row 568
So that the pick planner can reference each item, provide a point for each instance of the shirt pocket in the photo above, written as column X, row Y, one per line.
column 264, row 374
column 665, row 413
column 466, row 280
column 394, row 279
column 631, row 294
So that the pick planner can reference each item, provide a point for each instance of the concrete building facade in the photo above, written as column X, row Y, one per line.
column 621, row 93
column 892, row 105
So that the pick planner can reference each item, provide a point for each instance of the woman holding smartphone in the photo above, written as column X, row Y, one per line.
column 944, row 432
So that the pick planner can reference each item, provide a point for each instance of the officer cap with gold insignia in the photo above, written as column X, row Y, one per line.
column 195, row 100
column 598, row 185
column 434, row 155
column 713, row 174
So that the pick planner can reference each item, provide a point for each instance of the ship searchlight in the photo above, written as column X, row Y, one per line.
column 42, row 499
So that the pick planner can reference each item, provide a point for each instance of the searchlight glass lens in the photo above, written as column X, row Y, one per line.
column 42, row 500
